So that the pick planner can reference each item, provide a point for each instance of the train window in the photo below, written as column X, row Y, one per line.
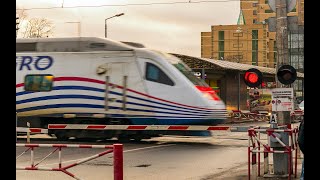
column 38, row 82
column 155, row 74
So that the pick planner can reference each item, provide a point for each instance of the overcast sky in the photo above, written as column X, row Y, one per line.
column 173, row 28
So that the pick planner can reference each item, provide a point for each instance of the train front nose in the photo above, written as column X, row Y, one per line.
column 218, row 112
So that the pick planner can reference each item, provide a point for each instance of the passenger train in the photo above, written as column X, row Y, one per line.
column 89, row 80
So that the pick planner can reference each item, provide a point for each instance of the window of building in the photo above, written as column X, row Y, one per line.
column 254, row 34
column 221, row 46
column 221, row 35
column 254, row 4
column 254, row 47
column 221, row 55
column 254, row 21
column 254, row 12
column 266, row 1
column 268, row 11
column 38, row 82
column 155, row 74
column 254, row 57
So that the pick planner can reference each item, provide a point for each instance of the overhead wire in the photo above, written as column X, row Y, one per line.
column 132, row 4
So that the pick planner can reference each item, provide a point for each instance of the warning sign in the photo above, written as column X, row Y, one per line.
column 273, row 119
column 282, row 99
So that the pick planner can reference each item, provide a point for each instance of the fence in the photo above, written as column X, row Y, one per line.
column 255, row 145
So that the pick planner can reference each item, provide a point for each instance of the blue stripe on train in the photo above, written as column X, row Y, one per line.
column 75, row 96
column 95, row 106
column 116, row 93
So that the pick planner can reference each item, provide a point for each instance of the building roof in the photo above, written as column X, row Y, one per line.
column 196, row 62
column 241, row 20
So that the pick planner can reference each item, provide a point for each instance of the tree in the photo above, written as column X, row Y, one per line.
column 32, row 28
column 21, row 16
column 38, row 28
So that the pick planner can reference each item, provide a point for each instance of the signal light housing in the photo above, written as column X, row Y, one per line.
column 287, row 74
column 253, row 77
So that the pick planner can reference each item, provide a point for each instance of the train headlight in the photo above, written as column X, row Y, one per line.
column 208, row 93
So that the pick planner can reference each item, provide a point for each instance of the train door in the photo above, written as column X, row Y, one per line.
column 116, row 86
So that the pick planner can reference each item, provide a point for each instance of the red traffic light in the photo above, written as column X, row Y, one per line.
column 252, row 77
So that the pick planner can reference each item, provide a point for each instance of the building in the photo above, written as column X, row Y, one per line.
column 227, row 78
column 247, row 44
column 250, row 42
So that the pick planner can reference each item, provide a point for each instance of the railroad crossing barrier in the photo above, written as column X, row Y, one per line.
column 245, row 115
column 32, row 130
column 255, row 145
column 137, row 127
column 117, row 150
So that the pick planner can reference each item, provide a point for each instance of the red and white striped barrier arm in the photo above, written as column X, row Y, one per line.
column 137, row 127
column 65, row 145
column 269, row 151
column 32, row 130
column 273, row 130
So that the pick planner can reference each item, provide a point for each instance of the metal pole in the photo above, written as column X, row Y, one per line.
column 239, row 71
column 281, row 160
column 28, row 132
column 118, row 161
column 16, row 127
column 238, row 48
column 203, row 72
column 105, row 28
column 105, row 23
column 239, row 91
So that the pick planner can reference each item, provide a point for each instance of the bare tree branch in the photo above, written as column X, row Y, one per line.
column 38, row 28
column 21, row 16
column 32, row 28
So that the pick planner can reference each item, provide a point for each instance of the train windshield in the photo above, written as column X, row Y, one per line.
column 186, row 71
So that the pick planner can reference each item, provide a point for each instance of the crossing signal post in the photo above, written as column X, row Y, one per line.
column 285, row 75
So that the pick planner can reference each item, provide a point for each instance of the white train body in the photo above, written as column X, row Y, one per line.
column 70, row 78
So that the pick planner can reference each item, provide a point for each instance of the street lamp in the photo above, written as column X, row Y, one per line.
column 79, row 27
column 105, row 23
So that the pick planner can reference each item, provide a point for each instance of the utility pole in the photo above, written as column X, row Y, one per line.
column 282, row 48
column 283, row 117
